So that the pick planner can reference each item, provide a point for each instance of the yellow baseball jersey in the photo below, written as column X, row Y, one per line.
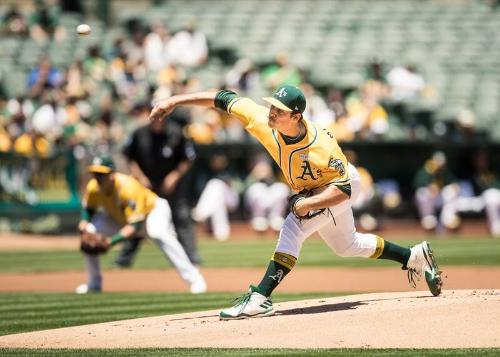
column 315, row 161
column 128, row 203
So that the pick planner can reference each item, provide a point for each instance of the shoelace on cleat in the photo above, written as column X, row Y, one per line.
column 413, row 277
column 243, row 299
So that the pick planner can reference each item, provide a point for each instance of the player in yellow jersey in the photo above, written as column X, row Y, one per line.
column 312, row 162
column 117, row 206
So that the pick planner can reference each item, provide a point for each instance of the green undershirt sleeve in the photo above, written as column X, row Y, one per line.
column 137, row 225
column 86, row 213
column 118, row 237
column 345, row 188
column 223, row 98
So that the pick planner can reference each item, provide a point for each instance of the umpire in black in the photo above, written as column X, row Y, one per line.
column 159, row 156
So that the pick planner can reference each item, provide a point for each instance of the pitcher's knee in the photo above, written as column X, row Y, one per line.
column 343, row 252
column 361, row 245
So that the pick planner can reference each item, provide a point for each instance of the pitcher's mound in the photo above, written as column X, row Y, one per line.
column 456, row 319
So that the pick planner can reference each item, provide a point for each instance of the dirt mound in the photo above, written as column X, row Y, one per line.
column 457, row 319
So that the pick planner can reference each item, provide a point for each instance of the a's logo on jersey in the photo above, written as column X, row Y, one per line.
column 281, row 93
column 306, row 171
column 337, row 165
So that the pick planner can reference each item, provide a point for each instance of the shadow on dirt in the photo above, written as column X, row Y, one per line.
column 321, row 308
column 318, row 309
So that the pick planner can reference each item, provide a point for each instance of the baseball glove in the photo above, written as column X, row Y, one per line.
column 94, row 243
column 300, row 196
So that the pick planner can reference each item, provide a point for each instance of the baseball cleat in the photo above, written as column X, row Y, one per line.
column 422, row 262
column 84, row 289
column 251, row 304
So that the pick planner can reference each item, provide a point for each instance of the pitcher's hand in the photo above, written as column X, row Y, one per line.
column 162, row 109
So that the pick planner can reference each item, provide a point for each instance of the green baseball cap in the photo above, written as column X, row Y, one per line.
column 288, row 98
column 102, row 165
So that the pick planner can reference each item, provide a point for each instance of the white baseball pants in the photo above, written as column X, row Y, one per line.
column 267, row 203
column 491, row 198
column 216, row 201
column 428, row 202
column 160, row 229
column 489, row 201
column 335, row 226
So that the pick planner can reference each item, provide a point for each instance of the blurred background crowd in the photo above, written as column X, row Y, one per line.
column 408, row 87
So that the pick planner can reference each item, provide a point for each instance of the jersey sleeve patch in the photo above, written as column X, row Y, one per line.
column 337, row 165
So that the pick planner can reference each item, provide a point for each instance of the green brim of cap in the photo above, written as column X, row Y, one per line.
column 277, row 103
column 100, row 169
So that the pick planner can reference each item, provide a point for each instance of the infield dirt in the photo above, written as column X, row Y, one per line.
column 456, row 319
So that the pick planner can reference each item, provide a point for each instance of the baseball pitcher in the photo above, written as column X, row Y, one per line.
column 326, row 185
column 115, row 206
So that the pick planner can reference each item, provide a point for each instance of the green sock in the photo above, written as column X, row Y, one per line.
column 395, row 252
column 278, row 268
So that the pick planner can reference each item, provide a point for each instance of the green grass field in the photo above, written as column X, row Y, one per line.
column 35, row 311
column 254, row 253
column 23, row 312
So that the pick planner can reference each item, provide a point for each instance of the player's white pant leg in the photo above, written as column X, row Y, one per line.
column 278, row 193
column 209, row 198
column 160, row 228
column 231, row 197
column 295, row 232
column 215, row 194
column 449, row 214
column 228, row 201
column 257, row 199
column 451, row 204
column 104, row 225
column 450, row 193
column 215, row 202
column 94, row 276
column 426, row 202
column 339, row 233
column 469, row 204
column 341, row 236
column 491, row 198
